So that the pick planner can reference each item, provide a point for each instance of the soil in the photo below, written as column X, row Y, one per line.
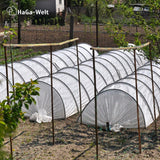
column 73, row 141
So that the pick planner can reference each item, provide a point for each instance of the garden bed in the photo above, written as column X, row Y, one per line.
column 74, row 141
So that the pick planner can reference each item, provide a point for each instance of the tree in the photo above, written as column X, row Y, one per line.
column 11, row 109
column 27, row 4
column 3, row 6
column 23, row 5
column 133, row 1
column 75, row 3
column 147, row 22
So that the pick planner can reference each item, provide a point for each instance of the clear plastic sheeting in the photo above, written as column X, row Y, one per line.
column 116, row 103
column 110, row 67
column 39, row 66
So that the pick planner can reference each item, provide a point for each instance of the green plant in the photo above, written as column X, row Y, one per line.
column 147, row 28
column 9, row 34
column 11, row 108
column 36, row 22
column 25, row 23
column 40, row 21
column 27, row 4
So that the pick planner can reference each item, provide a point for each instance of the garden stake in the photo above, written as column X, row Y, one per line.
column 12, row 83
column 97, row 21
column 95, row 97
column 19, row 23
column 79, row 82
column 153, row 90
column 7, row 85
column 137, row 101
column 71, row 28
column 52, row 92
column 12, row 69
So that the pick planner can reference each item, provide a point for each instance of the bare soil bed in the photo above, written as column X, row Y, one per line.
column 74, row 141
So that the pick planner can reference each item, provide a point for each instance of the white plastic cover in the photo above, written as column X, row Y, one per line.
column 37, row 67
column 116, row 103
column 110, row 67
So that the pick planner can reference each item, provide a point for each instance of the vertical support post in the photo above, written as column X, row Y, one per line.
column 139, row 134
column 95, row 97
column 65, row 7
column 97, row 21
column 11, row 54
column 7, row 86
column 155, row 120
column 107, row 126
column 13, row 90
column 71, row 28
column 19, row 24
column 52, row 110
column 79, row 83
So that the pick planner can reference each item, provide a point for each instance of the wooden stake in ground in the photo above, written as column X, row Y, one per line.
column 139, row 133
column 95, row 97
column 155, row 119
column 52, row 109
column 7, row 87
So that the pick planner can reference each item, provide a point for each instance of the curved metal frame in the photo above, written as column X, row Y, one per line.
column 124, row 59
column 48, row 61
column 109, row 63
column 76, row 80
column 113, row 90
column 96, row 71
column 28, row 68
column 40, row 65
column 119, row 62
column 57, row 94
column 144, row 85
column 17, row 73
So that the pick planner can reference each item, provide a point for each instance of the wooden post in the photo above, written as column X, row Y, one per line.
column 107, row 126
column 71, row 28
column 19, row 23
column 97, row 21
column 79, row 83
column 7, row 86
column 155, row 120
column 95, row 97
column 52, row 107
column 139, row 134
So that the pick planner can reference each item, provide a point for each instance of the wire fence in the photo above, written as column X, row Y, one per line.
column 56, row 33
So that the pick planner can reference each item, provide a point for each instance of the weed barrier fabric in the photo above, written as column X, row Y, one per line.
column 39, row 66
column 110, row 67
column 116, row 103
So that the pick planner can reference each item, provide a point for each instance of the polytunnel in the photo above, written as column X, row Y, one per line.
column 39, row 66
column 117, row 105
column 110, row 67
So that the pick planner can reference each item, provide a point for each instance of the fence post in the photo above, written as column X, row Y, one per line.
column 52, row 109
column 79, row 83
column 71, row 28
column 139, row 134
column 95, row 97
column 19, row 24
column 97, row 21
column 153, row 90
